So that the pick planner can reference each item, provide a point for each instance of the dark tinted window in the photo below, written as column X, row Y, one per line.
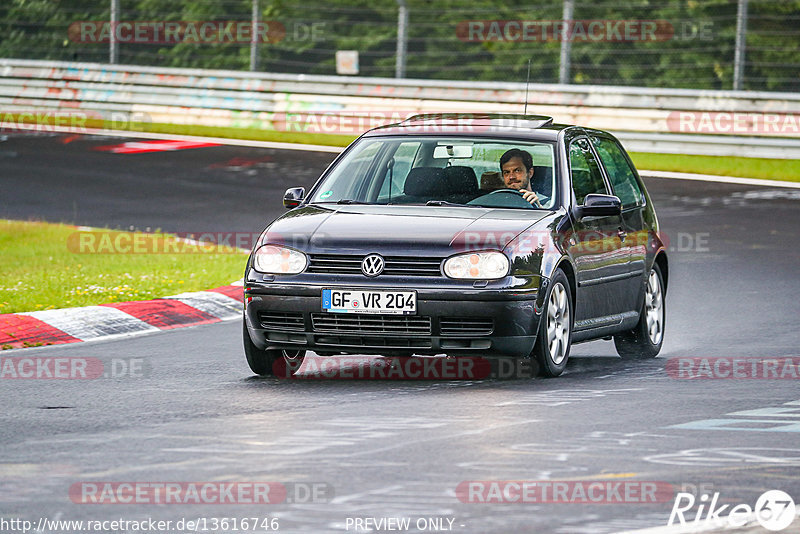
column 586, row 175
column 620, row 173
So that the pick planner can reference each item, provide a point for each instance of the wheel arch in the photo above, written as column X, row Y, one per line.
column 663, row 265
column 569, row 271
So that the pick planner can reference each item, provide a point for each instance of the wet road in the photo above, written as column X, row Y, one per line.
column 399, row 449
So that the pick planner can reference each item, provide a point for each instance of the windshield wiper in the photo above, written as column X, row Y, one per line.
column 352, row 201
column 446, row 203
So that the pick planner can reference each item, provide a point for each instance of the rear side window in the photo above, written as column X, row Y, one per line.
column 586, row 176
column 620, row 173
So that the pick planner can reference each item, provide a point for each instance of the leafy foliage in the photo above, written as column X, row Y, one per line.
column 698, row 53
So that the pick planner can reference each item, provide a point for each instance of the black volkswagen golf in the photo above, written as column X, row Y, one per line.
column 490, row 235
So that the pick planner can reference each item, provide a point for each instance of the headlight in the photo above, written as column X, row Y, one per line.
column 278, row 260
column 477, row 265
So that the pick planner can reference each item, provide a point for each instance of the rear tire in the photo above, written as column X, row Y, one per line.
column 645, row 340
column 262, row 362
column 555, row 328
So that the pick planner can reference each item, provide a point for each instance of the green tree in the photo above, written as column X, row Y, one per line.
column 698, row 53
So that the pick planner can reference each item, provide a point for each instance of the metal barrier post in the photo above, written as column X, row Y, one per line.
column 566, row 42
column 402, row 38
column 113, row 45
column 741, row 39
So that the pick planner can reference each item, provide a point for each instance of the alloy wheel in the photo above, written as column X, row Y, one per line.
column 558, row 323
column 654, row 308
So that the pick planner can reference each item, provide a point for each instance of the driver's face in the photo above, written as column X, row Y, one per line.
column 515, row 176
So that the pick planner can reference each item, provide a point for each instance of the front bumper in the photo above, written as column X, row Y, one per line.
column 466, row 322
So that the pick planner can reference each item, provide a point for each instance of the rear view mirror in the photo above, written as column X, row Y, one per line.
column 599, row 206
column 452, row 151
column 293, row 197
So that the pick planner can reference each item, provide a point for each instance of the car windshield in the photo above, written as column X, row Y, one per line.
column 439, row 171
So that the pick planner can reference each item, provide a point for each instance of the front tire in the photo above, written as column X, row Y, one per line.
column 262, row 362
column 645, row 340
column 555, row 328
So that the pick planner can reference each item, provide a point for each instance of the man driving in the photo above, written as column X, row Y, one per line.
column 517, row 169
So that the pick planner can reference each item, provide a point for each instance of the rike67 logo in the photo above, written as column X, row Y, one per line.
column 774, row 510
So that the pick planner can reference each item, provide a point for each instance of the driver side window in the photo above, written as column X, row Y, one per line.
column 584, row 170
column 404, row 158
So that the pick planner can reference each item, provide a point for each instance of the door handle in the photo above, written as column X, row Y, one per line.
column 622, row 234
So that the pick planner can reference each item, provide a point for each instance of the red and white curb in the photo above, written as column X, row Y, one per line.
column 143, row 147
column 72, row 325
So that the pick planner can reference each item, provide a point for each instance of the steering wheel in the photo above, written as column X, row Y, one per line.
column 508, row 190
column 505, row 190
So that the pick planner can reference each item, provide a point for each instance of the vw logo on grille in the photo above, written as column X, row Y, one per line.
column 372, row 265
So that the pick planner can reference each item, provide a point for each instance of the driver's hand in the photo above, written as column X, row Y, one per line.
column 531, row 197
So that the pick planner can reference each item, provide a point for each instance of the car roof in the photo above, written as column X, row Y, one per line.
column 490, row 125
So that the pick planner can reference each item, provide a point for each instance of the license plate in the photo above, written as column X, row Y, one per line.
column 360, row 301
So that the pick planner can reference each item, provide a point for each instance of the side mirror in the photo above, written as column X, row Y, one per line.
column 599, row 206
column 293, row 197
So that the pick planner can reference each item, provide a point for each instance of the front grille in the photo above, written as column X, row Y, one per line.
column 271, row 320
column 466, row 326
column 398, row 266
column 371, row 325
column 394, row 265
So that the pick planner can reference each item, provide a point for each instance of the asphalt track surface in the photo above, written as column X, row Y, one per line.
column 385, row 449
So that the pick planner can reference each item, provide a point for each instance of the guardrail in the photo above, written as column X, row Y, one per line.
column 755, row 124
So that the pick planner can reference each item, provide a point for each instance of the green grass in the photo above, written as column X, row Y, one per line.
column 764, row 168
column 768, row 169
column 46, row 266
column 251, row 132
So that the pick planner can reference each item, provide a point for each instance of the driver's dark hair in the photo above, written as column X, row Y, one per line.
column 526, row 158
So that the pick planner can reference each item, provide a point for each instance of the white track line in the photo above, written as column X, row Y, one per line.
column 336, row 150
column 176, row 137
column 722, row 179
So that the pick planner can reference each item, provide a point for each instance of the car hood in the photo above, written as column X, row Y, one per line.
column 399, row 230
